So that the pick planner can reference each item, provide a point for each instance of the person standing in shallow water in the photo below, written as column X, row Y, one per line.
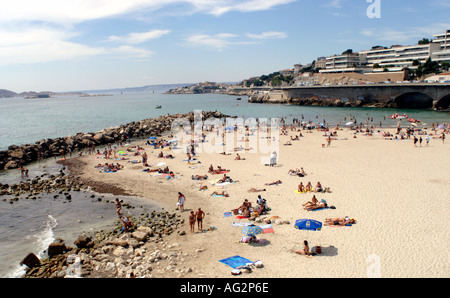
column 118, row 206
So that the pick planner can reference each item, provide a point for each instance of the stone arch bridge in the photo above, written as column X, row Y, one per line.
column 404, row 95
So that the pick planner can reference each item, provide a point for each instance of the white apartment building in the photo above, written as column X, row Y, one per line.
column 398, row 57
column 444, row 41
column 395, row 58
column 351, row 62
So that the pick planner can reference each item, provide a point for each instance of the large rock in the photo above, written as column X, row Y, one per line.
column 139, row 235
column 84, row 242
column 56, row 248
column 31, row 260
column 12, row 164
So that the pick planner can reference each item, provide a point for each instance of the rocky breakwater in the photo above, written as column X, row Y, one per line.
column 35, row 187
column 318, row 101
column 17, row 156
column 143, row 251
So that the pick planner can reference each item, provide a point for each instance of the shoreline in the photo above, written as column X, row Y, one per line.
column 349, row 202
column 369, row 177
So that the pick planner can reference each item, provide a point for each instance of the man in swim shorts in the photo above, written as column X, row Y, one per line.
column 200, row 215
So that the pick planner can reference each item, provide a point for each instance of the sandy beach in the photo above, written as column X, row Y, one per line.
column 396, row 192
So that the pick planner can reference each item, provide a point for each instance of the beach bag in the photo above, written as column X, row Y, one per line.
column 258, row 264
column 236, row 272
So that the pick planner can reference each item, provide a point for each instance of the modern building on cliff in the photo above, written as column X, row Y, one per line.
column 395, row 58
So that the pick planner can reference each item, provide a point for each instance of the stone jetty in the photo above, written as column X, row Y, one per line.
column 20, row 155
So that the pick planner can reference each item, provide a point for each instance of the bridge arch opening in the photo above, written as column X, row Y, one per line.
column 443, row 103
column 414, row 100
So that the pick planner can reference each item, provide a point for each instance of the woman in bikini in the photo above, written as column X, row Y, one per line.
column 192, row 221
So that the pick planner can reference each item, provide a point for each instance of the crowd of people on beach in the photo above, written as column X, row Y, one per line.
column 250, row 211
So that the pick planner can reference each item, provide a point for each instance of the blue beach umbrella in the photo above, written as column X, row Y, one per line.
column 252, row 230
column 152, row 138
column 308, row 224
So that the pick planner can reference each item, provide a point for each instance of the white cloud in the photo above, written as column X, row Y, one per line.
column 76, row 11
column 41, row 31
column 34, row 45
column 139, row 37
column 219, row 41
column 268, row 35
column 333, row 4
column 222, row 41
column 245, row 6
column 40, row 45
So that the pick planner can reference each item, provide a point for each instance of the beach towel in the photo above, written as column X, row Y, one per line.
column 221, row 172
column 296, row 191
column 215, row 195
column 236, row 261
column 330, row 207
column 319, row 209
column 227, row 214
column 240, row 217
column 241, row 224
column 267, row 229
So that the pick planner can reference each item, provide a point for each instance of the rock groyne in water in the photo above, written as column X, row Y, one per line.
column 20, row 155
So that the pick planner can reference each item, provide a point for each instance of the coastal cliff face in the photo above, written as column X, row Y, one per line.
column 17, row 156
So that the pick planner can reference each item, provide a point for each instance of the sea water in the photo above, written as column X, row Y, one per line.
column 31, row 225
column 26, row 121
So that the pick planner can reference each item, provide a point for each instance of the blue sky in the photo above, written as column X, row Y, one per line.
column 64, row 45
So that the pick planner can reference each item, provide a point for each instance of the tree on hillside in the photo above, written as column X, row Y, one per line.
column 349, row 51
column 423, row 41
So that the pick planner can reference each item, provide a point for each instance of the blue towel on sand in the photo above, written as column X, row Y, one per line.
column 235, row 261
column 320, row 209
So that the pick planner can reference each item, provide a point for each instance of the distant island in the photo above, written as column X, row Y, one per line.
column 32, row 94
column 162, row 88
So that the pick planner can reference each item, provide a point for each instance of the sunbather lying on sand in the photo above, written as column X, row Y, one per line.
column 220, row 193
column 199, row 177
column 274, row 183
column 256, row 189
column 339, row 221
column 320, row 205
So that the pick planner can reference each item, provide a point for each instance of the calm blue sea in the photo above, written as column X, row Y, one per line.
column 30, row 225
column 25, row 121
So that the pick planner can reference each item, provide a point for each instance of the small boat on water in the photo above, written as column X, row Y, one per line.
column 157, row 107
column 238, row 98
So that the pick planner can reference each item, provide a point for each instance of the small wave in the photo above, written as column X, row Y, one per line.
column 44, row 237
